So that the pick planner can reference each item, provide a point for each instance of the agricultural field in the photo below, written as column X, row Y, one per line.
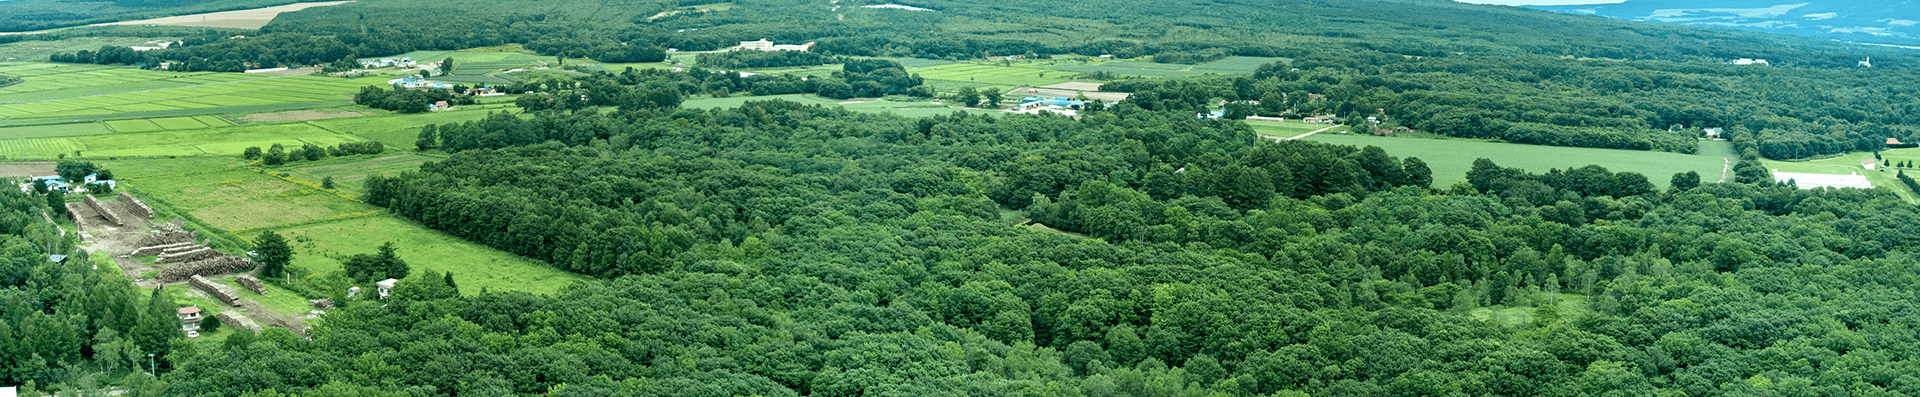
column 48, row 81
column 909, row 109
column 1450, row 159
column 54, row 131
column 245, row 19
column 152, row 140
column 202, row 94
column 400, row 131
column 1849, row 164
column 40, row 50
column 980, row 74
column 1231, row 65
column 319, row 248
column 1289, row 128
column 219, row 191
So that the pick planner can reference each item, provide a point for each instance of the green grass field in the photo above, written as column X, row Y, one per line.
column 220, row 141
column 54, row 131
column 218, row 191
column 319, row 247
column 399, row 131
column 77, row 92
column 1450, row 159
column 349, row 174
column 909, row 109
column 1848, row 164
column 1231, row 65
column 982, row 74
column 1289, row 128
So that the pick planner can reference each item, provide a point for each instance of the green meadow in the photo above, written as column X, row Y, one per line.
column 320, row 247
column 1450, row 159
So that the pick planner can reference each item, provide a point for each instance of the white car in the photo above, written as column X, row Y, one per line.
column 193, row 334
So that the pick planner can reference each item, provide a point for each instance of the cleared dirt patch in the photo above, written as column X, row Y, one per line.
column 1075, row 85
column 1048, row 92
column 24, row 169
column 246, row 19
column 299, row 115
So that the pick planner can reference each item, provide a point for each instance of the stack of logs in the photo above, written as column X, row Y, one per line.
column 164, row 248
column 235, row 320
column 218, row 291
column 139, row 208
column 168, row 234
column 252, row 284
column 104, row 211
column 218, row 265
column 187, row 254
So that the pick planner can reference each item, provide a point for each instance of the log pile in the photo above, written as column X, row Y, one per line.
column 220, row 265
column 168, row 234
column 235, row 320
column 218, row 291
column 112, row 218
column 139, row 208
column 322, row 303
column 252, row 284
column 199, row 253
column 163, row 248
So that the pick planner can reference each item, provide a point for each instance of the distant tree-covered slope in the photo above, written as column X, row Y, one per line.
column 1184, row 31
column 29, row 15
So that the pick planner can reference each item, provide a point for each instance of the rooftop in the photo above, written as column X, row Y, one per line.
column 1816, row 181
column 190, row 310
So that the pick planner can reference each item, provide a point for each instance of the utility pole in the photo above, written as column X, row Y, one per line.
column 150, row 365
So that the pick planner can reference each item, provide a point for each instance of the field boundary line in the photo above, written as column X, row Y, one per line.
column 1275, row 138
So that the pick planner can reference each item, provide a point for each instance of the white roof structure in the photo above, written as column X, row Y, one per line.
column 1815, row 181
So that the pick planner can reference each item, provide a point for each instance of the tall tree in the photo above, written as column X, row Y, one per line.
column 274, row 254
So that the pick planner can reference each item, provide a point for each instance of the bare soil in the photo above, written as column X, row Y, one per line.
column 24, row 169
column 1049, row 92
column 245, row 19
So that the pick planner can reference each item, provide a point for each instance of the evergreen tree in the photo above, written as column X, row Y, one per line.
column 450, row 284
column 158, row 326
column 327, row 182
column 57, row 203
column 274, row 254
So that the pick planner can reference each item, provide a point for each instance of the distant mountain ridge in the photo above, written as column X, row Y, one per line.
column 1894, row 22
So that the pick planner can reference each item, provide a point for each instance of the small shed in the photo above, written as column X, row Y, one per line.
column 1868, row 164
column 1893, row 141
column 386, row 287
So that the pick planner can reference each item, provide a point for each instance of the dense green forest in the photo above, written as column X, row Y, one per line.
column 1173, row 31
column 782, row 249
column 68, row 321
column 1790, row 113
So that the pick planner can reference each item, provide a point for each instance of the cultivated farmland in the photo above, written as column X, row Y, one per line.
column 1231, row 65
column 349, row 174
column 129, row 93
column 981, row 74
column 1450, row 159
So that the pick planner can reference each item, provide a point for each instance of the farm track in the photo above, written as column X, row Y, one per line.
column 156, row 89
column 1275, row 138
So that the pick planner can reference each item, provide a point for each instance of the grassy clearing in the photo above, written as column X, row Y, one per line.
column 320, row 247
column 998, row 75
column 1288, row 129
column 1450, row 159
column 1571, row 306
column 219, row 141
column 349, row 174
column 909, row 109
column 218, row 191
column 1883, row 178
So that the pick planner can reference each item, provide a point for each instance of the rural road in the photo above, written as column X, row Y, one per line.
column 1275, row 138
